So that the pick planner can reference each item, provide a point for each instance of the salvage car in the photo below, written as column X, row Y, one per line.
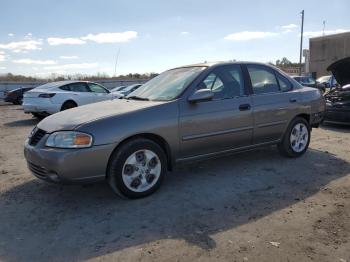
column 15, row 96
column 338, row 99
column 310, row 82
column 329, row 81
column 118, row 88
column 184, row 114
column 58, row 96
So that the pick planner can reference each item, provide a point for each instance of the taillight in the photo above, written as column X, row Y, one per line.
column 49, row 95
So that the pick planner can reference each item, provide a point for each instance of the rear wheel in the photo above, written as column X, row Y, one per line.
column 296, row 140
column 137, row 168
column 39, row 116
column 68, row 105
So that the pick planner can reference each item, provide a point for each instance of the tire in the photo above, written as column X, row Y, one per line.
column 295, row 144
column 39, row 116
column 136, row 180
column 68, row 105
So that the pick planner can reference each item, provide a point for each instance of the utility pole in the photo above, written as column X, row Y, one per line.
column 301, row 41
column 116, row 62
column 324, row 27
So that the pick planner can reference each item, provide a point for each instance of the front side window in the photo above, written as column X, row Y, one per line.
column 225, row 82
column 78, row 87
column 96, row 88
column 263, row 79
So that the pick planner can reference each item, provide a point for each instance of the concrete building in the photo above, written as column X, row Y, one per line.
column 325, row 50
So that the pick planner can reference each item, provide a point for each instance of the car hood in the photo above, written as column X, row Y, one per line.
column 341, row 71
column 72, row 118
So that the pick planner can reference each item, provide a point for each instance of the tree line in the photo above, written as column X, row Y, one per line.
column 9, row 77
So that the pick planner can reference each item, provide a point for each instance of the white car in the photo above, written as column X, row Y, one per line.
column 125, row 91
column 58, row 96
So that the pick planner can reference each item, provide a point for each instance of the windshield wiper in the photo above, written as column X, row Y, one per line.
column 137, row 98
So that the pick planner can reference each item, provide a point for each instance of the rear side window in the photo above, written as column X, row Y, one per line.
column 285, row 85
column 78, row 87
column 65, row 88
column 263, row 79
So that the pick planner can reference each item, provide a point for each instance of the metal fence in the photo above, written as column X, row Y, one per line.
column 8, row 86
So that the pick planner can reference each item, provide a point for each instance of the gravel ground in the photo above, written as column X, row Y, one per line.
column 254, row 206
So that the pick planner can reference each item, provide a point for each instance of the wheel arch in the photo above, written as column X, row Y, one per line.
column 305, row 116
column 68, row 100
column 153, row 137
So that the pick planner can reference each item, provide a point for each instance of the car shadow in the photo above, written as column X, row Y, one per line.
column 41, row 221
column 23, row 122
column 336, row 127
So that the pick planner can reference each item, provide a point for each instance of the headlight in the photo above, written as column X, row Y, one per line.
column 69, row 139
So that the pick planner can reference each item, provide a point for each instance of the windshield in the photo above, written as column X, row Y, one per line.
column 168, row 85
column 323, row 79
column 118, row 88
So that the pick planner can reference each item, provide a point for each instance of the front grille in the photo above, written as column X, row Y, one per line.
column 38, row 170
column 36, row 137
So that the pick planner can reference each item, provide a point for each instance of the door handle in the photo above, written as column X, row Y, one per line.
column 292, row 100
column 244, row 107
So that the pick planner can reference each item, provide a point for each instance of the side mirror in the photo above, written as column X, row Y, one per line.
column 201, row 95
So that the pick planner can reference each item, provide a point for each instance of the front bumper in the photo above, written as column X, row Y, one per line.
column 68, row 166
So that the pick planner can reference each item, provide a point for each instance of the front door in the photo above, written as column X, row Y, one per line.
column 223, row 123
column 99, row 93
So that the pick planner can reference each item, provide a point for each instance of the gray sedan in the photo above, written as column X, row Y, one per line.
column 184, row 114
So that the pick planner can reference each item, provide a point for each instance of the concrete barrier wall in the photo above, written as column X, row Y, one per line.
column 8, row 86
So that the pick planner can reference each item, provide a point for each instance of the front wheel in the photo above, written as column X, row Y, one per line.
column 296, row 140
column 137, row 168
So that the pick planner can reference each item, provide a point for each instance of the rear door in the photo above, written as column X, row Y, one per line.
column 274, row 103
column 221, row 124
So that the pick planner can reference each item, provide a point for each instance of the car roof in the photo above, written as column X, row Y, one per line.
column 61, row 83
column 220, row 63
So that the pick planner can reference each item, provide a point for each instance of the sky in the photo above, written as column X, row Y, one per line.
column 41, row 37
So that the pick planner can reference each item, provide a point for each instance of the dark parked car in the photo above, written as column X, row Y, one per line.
column 16, row 96
column 338, row 99
column 184, row 114
column 310, row 82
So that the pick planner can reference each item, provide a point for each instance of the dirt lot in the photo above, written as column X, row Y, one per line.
column 254, row 206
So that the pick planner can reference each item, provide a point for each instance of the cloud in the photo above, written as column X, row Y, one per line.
column 290, row 26
column 249, row 35
column 2, row 67
column 28, row 61
column 72, row 66
column 69, row 57
column 111, row 37
column 21, row 46
column 2, row 56
column 11, row 34
column 326, row 32
column 184, row 33
column 65, row 41
column 98, row 38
